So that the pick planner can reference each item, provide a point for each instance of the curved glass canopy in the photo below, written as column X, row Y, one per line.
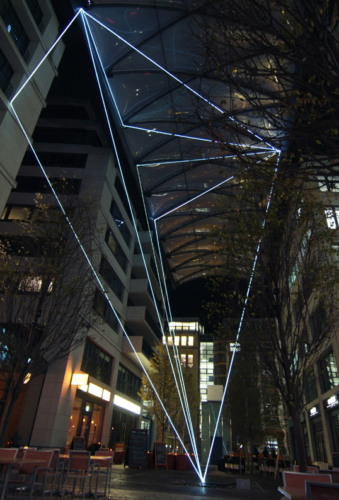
column 167, row 107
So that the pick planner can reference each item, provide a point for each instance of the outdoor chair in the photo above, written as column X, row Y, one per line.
column 321, row 491
column 29, row 474
column 56, row 470
column 80, row 467
column 106, row 470
column 22, row 451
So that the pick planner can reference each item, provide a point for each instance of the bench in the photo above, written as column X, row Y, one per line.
column 320, row 491
column 334, row 473
column 294, row 484
column 310, row 469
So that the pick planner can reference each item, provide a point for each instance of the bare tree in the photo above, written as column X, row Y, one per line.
column 272, row 67
column 46, row 293
column 294, row 281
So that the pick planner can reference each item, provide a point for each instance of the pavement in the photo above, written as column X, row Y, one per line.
column 151, row 484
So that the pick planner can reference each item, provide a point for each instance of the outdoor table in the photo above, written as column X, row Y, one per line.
column 15, row 462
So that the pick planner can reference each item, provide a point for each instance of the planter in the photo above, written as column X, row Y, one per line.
column 181, row 461
column 170, row 461
column 119, row 457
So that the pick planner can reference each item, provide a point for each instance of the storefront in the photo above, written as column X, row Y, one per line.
column 331, row 406
column 126, row 417
column 317, row 431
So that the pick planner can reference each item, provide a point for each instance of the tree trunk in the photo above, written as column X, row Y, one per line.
column 299, row 440
column 6, row 417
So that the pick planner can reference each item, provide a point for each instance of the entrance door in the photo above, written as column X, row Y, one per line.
column 86, row 422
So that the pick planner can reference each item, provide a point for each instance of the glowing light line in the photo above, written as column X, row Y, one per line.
column 176, row 79
column 194, row 138
column 194, row 198
column 239, row 328
column 45, row 57
column 162, row 279
column 153, row 295
column 207, row 158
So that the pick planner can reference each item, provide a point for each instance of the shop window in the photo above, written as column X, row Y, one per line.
column 112, row 279
column 121, row 224
column 329, row 372
column 128, row 383
column 101, row 306
column 96, row 362
column 116, row 249
column 6, row 73
column 86, row 421
column 14, row 28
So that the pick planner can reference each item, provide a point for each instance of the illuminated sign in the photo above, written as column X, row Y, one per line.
column 79, row 379
column 313, row 411
column 332, row 402
column 127, row 405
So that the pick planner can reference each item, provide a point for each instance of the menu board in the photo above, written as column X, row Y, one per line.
column 160, row 455
column 138, row 448
column 335, row 459
column 78, row 443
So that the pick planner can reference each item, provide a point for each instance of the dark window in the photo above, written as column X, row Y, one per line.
column 128, row 383
column 119, row 220
column 36, row 12
column 39, row 185
column 329, row 372
column 112, row 279
column 96, row 363
column 155, row 327
column 311, row 388
column 14, row 28
column 122, row 195
column 102, row 307
column 64, row 111
column 318, row 321
column 51, row 159
column 6, row 74
column 66, row 136
column 116, row 249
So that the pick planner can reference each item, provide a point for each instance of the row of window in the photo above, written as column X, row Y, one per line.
column 55, row 135
column 54, row 159
column 14, row 27
column 96, row 362
column 182, row 341
column 28, row 184
column 328, row 375
column 128, row 383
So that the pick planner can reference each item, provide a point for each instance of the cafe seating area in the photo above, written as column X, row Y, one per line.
column 26, row 471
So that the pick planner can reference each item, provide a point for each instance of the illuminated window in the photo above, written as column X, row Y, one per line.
column 177, row 340
column 169, row 340
column 190, row 360
column 190, row 341
column 332, row 217
column 183, row 359
column 184, row 341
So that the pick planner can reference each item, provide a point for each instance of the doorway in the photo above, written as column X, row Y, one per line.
column 86, row 421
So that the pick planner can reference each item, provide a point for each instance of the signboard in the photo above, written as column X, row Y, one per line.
column 160, row 455
column 138, row 448
column 332, row 402
column 335, row 460
column 78, row 443
column 313, row 412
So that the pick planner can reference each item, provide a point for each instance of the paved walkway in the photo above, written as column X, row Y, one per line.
column 149, row 484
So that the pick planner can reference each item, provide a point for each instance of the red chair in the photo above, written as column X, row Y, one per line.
column 56, row 470
column 29, row 473
column 106, row 468
column 79, row 467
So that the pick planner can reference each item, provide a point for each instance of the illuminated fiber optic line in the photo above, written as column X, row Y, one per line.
column 95, row 274
column 174, row 77
column 45, row 57
column 195, row 138
column 240, row 326
column 135, row 226
column 208, row 158
column 194, row 198
column 168, row 313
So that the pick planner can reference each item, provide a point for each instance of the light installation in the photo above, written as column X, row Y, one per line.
column 161, row 273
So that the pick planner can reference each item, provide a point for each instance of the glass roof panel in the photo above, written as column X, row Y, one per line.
column 141, row 142
column 109, row 46
column 133, row 91
column 167, row 224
